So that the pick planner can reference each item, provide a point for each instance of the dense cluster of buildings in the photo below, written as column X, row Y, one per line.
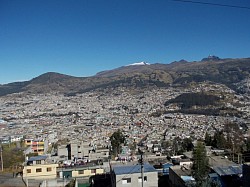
column 44, row 171
column 73, row 131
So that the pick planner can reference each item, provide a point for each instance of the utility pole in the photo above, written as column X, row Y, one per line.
column 141, row 162
column 111, row 172
column 1, row 149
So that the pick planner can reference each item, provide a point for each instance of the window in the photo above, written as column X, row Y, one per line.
column 38, row 161
column 139, row 179
column 38, row 170
column 93, row 171
column 49, row 169
column 145, row 179
column 28, row 170
column 81, row 172
column 126, row 180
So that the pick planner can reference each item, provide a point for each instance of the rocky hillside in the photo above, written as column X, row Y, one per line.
column 234, row 73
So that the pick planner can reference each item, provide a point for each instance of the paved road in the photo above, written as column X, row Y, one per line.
column 7, row 180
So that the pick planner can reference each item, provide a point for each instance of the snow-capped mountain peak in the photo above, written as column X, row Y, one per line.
column 139, row 64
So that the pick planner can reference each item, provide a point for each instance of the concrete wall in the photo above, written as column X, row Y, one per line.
column 87, row 172
column 152, row 180
column 62, row 151
column 79, row 150
column 45, row 171
column 101, row 153
column 174, row 179
column 82, row 149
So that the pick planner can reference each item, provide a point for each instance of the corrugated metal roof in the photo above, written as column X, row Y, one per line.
column 120, row 170
column 228, row 170
column 213, row 175
column 34, row 158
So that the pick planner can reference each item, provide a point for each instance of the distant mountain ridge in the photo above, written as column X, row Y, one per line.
column 211, row 58
column 231, row 72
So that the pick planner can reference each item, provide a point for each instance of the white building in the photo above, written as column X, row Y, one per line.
column 130, row 176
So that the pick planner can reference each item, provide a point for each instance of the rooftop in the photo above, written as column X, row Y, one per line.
column 181, row 171
column 228, row 170
column 215, row 161
column 119, row 170
column 35, row 158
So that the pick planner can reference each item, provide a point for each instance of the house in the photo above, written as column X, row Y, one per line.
column 130, row 176
column 98, row 180
column 38, row 146
column 186, row 162
column 79, row 172
column 39, row 167
column 28, row 142
column 229, row 175
column 74, row 150
column 16, row 138
column 5, row 140
column 81, row 150
column 180, row 176
column 223, row 171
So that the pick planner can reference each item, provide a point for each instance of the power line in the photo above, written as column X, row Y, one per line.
column 212, row 4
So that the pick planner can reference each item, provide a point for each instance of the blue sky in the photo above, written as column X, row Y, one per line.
column 83, row 37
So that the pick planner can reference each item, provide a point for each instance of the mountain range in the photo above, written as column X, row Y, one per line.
column 234, row 73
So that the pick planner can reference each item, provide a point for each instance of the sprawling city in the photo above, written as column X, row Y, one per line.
column 109, row 136
column 128, row 93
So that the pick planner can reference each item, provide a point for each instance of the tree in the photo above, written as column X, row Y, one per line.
column 117, row 139
column 165, row 144
column 219, row 140
column 12, row 156
column 234, row 137
column 200, row 166
column 208, row 139
column 176, row 145
column 187, row 144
